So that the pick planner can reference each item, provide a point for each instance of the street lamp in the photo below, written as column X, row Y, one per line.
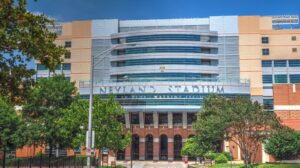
column 90, row 134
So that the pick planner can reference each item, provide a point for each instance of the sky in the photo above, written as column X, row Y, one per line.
column 71, row 10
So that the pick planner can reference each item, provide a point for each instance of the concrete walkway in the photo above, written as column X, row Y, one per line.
column 153, row 164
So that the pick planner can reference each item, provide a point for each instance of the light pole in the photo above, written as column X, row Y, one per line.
column 90, row 134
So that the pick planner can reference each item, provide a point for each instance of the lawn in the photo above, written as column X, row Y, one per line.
column 275, row 165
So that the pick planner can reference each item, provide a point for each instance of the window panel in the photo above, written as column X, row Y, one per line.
column 267, row 79
column 265, row 51
column 135, row 118
column 177, row 118
column 41, row 67
column 68, row 44
column 280, row 63
column 67, row 66
column 265, row 40
column 280, row 78
column 268, row 104
column 163, row 118
column 266, row 63
column 295, row 78
column 294, row 63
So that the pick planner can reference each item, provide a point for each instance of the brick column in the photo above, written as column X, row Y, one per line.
column 127, row 120
column 184, row 120
column 155, row 148
column 170, row 149
column 141, row 118
column 128, row 152
column 142, row 149
column 155, row 119
column 170, row 120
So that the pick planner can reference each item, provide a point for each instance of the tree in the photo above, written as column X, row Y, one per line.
column 106, row 124
column 46, row 104
column 238, row 120
column 24, row 36
column 9, row 125
column 191, row 148
column 284, row 144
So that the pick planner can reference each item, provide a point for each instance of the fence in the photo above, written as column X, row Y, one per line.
column 53, row 162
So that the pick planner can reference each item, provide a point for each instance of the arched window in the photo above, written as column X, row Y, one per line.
column 149, row 147
column 163, row 147
column 135, row 147
column 177, row 147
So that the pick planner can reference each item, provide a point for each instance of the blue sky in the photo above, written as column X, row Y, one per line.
column 69, row 10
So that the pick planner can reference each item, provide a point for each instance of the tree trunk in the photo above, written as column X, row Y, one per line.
column 50, row 154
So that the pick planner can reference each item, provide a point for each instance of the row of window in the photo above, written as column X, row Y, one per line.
column 66, row 77
column 166, row 49
column 265, row 40
column 159, row 61
column 266, row 51
column 64, row 66
column 162, row 118
column 280, row 63
column 166, row 37
column 281, row 78
column 164, row 76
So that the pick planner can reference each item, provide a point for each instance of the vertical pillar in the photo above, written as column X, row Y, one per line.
column 170, row 120
column 127, row 120
column 155, row 119
column 142, row 149
column 156, row 148
column 239, row 152
column 184, row 120
column 226, row 146
column 170, row 149
column 141, row 118
column 128, row 152
column 265, row 156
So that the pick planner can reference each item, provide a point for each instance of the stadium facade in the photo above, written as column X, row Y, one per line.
column 160, row 71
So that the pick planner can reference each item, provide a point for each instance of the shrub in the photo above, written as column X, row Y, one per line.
column 221, row 158
column 210, row 155
column 228, row 155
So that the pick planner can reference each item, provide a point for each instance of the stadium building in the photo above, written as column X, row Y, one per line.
column 160, row 71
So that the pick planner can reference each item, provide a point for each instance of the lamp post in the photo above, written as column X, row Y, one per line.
column 90, row 134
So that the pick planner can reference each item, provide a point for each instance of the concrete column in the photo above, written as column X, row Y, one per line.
column 239, row 152
column 142, row 149
column 170, row 149
column 127, row 120
column 170, row 120
column 128, row 152
column 155, row 148
column 155, row 119
column 226, row 146
column 184, row 119
column 265, row 156
column 141, row 118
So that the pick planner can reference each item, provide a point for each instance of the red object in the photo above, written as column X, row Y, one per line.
column 186, row 159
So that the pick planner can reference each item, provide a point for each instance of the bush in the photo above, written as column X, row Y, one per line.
column 210, row 155
column 221, row 158
column 228, row 155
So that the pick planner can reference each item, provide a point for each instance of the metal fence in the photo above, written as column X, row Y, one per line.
column 53, row 162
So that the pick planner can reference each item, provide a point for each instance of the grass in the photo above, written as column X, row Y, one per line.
column 274, row 165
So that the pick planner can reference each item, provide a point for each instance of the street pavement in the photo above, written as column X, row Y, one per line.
column 153, row 164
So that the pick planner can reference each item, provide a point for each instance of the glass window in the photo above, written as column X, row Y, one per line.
column 41, row 67
column 294, row 38
column 148, row 118
column 280, row 78
column 280, row 63
column 267, row 79
column 68, row 55
column 294, row 63
column 266, row 63
column 294, row 49
column 163, row 118
column 66, row 66
column 191, row 117
column 135, row 118
column 177, row 118
column 295, row 78
column 68, row 44
column 265, row 51
column 268, row 104
column 265, row 40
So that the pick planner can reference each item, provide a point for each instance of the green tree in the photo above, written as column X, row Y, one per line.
column 284, row 144
column 46, row 105
column 106, row 124
column 9, row 127
column 238, row 120
column 191, row 148
column 24, row 36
